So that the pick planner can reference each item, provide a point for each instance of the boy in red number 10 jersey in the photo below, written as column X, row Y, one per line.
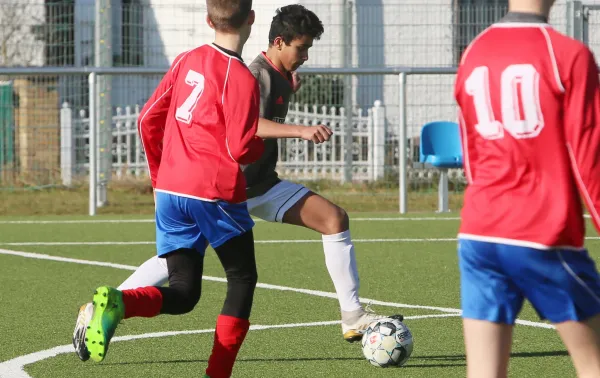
column 197, row 129
column 529, row 111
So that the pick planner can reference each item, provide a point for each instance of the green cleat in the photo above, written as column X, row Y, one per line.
column 108, row 312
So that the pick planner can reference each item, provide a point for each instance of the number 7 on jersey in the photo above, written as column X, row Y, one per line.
column 519, row 100
column 184, row 112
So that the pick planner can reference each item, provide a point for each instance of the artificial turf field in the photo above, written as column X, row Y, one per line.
column 49, row 266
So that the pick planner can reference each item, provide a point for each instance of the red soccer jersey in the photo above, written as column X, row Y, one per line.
column 200, row 125
column 529, row 110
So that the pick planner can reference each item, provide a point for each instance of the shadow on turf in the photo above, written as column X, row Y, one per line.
column 456, row 358
column 282, row 360
column 240, row 360
column 462, row 357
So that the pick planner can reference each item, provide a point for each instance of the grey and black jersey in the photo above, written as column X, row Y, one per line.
column 275, row 92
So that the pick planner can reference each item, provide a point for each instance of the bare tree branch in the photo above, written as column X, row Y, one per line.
column 18, row 45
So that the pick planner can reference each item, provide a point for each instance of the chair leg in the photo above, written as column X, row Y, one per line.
column 443, row 192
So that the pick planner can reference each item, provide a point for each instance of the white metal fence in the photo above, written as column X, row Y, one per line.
column 127, row 154
column 299, row 159
column 303, row 160
column 368, row 143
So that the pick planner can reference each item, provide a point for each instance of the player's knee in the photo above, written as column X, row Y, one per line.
column 189, row 300
column 240, row 293
column 337, row 222
column 247, row 277
column 251, row 277
column 188, row 297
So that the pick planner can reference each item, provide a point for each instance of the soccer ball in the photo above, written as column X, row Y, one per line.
column 387, row 342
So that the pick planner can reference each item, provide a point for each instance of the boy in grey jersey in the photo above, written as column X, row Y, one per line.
column 292, row 32
column 276, row 87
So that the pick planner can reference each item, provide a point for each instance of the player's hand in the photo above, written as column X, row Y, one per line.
column 317, row 134
column 296, row 81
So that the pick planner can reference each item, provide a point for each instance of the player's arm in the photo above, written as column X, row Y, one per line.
column 153, row 117
column 241, row 99
column 151, row 123
column 269, row 129
column 582, row 129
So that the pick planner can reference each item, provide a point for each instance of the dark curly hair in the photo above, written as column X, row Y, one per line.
column 294, row 21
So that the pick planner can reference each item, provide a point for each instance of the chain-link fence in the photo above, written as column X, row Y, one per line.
column 586, row 23
column 44, row 118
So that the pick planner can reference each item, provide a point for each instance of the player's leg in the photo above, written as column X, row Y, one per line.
column 582, row 340
column 228, row 228
column 487, row 346
column 292, row 203
column 112, row 305
column 153, row 272
column 238, row 261
column 564, row 287
column 179, row 241
column 319, row 214
column 490, row 302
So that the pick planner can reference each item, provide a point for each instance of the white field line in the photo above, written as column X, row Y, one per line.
column 87, row 221
column 283, row 241
column 357, row 219
column 75, row 221
column 14, row 368
column 317, row 293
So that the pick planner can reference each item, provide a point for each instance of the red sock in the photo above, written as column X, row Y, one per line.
column 229, row 336
column 143, row 301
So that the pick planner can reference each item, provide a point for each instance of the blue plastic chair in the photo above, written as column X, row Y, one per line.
column 440, row 147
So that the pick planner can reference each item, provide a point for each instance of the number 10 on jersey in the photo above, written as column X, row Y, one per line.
column 519, row 101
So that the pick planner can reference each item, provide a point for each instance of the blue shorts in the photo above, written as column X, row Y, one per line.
column 183, row 222
column 495, row 278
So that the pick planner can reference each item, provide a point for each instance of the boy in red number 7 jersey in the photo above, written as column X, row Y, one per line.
column 197, row 129
column 529, row 116
column 293, row 30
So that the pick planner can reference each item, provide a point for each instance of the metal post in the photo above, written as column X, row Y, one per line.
column 576, row 19
column 443, row 192
column 402, row 142
column 585, row 26
column 585, row 20
column 67, row 145
column 585, row 23
column 103, row 58
column 92, row 138
column 348, row 81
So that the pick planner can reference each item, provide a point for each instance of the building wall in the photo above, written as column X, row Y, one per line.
column 37, row 131
column 412, row 33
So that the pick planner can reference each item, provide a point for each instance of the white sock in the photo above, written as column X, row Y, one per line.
column 341, row 264
column 153, row 272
